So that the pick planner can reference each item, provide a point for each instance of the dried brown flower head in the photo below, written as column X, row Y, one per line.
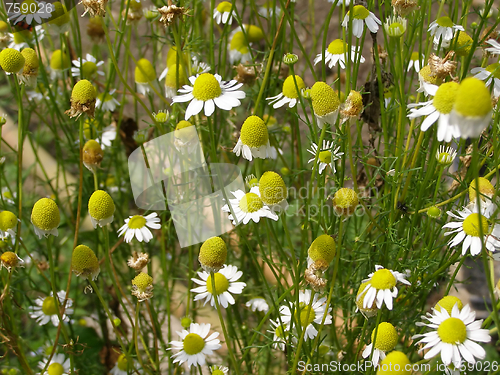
column 441, row 68
column 138, row 261
column 94, row 7
column 169, row 12
column 313, row 275
column 246, row 74
column 404, row 7
column 95, row 30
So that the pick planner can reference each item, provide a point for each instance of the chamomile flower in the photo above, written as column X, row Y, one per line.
column 239, row 48
column 45, row 217
column 213, row 254
column 60, row 62
column 469, row 227
column 443, row 28
column 369, row 311
column 428, row 82
column 8, row 196
column 107, row 137
column 445, row 155
column 308, row 312
column 325, row 103
column 395, row 362
column 395, row 26
column 280, row 333
column 25, row 38
column 45, row 309
column 8, row 224
column 101, row 208
column 322, row 249
column 490, row 74
column 258, row 304
column 495, row 47
column 122, row 366
column 416, row 61
column 438, row 109
column 290, row 94
column 223, row 13
column 92, row 155
column 273, row 191
column 142, row 287
column 83, row 99
column 195, row 345
column 381, row 287
column 219, row 370
column 486, row 192
column 338, row 52
column 84, row 262
column 248, row 207
column 106, row 102
column 385, row 340
column 10, row 261
column 360, row 16
column 472, row 108
column 175, row 77
column 454, row 336
column 59, row 18
column 86, row 68
column 327, row 155
column 30, row 71
column 208, row 91
column 137, row 226
column 58, row 365
column 226, row 284
column 254, row 140
column 345, row 201
column 11, row 61
column 145, row 76
column 32, row 12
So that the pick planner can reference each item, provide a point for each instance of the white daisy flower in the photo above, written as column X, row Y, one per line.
column 445, row 155
column 137, row 226
column 106, row 102
column 122, row 366
column 443, row 28
column 280, row 333
column 195, row 345
column 495, row 47
column 86, row 68
column 248, row 207
column 381, row 287
column 219, row 370
column 145, row 76
column 254, row 140
column 208, row 91
column 223, row 13
column 384, row 341
column 454, row 336
column 395, row 26
column 438, row 109
column 30, row 11
column 239, row 48
column 225, row 285
column 258, row 304
column 338, row 52
column 289, row 94
column 58, row 365
column 416, row 61
column 45, row 309
column 107, row 137
column 307, row 313
column 327, row 155
column 360, row 16
column 470, row 225
column 490, row 74
column 8, row 196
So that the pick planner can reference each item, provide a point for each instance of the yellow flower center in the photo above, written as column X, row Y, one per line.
column 11, row 60
column 464, row 44
column 83, row 92
column 173, row 74
column 7, row 194
column 101, row 206
column 84, row 262
column 426, row 74
column 396, row 29
column 213, row 252
column 136, row 222
column 452, row 331
column 346, row 198
column 30, row 60
column 307, row 314
column 387, row 337
column 473, row 98
column 224, row 6
column 206, row 87
column 122, row 362
column 337, row 47
column 280, row 331
column 29, row 7
column 444, row 21
column 475, row 224
column 444, row 158
column 49, row 306
column 254, row 33
column 7, row 220
column 389, row 364
column 59, row 16
column 254, row 132
column 217, row 372
column 325, row 157
column 289, row 88
column 45, row 214
column 89, row 68
column 447, row 303
column 445, row 97
column 322, row 248
column 161, row 117
column 324, row 99
column 251, row 202
column 55, row 369
column 144, row 71
column 485, row 188
column 142, row 281
column 272, row 188
column 59, row 60
column 415, row 56
column 221, row 284
column 239, row 43
column 9, row 259
column 359, row 12
column 383, row 279
column 193, row 344
column 494, row 69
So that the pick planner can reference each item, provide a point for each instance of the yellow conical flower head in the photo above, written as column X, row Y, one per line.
column 45, row 217
column 60, row 60
column 4, row 27
column 213, row 254
column 10, row 261
column 60, row 15
column 473, row 88
column 85, row 263
column 345, row 201
column 185, row 131
column 254, row 33
column 11, row 60
column 322, row 248
column 92, row 155
column 486, row 189
column 8, row 221
column 434, row 212
column 395, row 363
column 122, row 361
column 464, row 44
column 30, row 61
column 272, row 189
column 142, row 286
column 144, row 71
column 101, row 208
column 387, row 337
column 289, row 88
column 370, row 311
column 324, row 99
column 175, row 74
column 239, row 43
column 448, row 302
column 426, row 74
column 353, row 105
column 83, row 98
column 172, row 57
column 254, row 132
